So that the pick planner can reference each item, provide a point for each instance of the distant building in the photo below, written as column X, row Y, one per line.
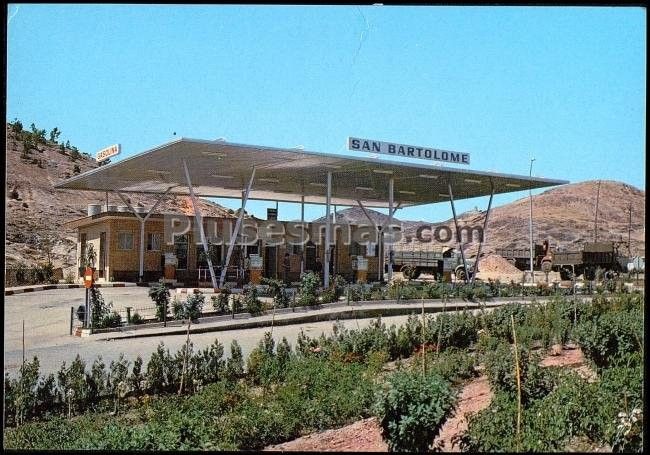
column 115, row 236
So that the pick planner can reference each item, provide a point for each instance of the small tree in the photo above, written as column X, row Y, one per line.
column 252, row 302
column 90, row 257
column 76, row 169
column 191, row 308
column 54, row 134
column 159, row 293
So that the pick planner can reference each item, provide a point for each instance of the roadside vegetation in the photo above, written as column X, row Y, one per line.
column 202, row 399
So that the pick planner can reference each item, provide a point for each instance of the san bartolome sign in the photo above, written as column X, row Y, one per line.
column 108, row 152
column 411, row 151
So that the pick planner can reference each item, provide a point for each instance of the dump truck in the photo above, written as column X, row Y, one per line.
column 435, row 261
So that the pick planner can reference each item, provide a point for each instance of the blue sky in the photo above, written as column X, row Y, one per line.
column 564, row 85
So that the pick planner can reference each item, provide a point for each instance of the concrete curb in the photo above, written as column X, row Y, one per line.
column 47, row 287
column 304, row 315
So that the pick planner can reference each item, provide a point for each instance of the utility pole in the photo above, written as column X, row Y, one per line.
column 596, row 218
column 530, row 224
column 629, row 231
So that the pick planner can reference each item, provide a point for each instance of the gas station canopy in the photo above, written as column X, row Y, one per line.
column 223, row 169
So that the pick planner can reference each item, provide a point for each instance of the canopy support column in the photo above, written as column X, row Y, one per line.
column 391, row 182
column 328, row 233
column 391, row 212
column 485, row 222
column 235, row 233
column 302, row 234
column 458, row 239
column 142, row 223
column 199, row 220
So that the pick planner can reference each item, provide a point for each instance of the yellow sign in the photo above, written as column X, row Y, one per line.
column 108, row 152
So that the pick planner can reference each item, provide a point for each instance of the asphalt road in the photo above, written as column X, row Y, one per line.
column 46, row 315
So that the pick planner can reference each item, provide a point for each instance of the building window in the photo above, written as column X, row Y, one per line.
column 125, row 241
column 180, row 248
column 296, row 249
column 153, row 241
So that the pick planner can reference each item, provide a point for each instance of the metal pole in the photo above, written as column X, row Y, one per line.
column 391, row 183
column 235, row 233
column 198, row 219
column 485, row 222
column 629, row 232
column 328, row 234
column 530, row 224
column 23, row 371
column 302, row 234
column 458, row 239
column 71, row 318
column 85, row 323
column 596, row 216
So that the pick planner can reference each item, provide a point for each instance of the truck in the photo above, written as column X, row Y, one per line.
column 593, row 255
column 520, row 257
column 436, row 261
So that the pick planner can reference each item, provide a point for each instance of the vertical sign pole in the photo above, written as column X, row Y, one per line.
column 302, row 234
column 328, row 234
column 391, row 182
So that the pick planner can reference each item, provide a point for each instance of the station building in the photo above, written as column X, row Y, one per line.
column 115, row 238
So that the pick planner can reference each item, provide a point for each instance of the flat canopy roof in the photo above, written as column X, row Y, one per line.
column 223, row 169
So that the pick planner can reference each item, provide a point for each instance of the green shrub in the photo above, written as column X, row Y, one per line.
column 136, row 318
column 494, row 428
column 329, row 296
column 159, row 293
column 251, row 301
column 459, row 329
column 191, row 308
column 307, row 291
column 412, row 410
column 610, row 336
column 112, row 320
column 235, row 363
column 220, row 302
column 498, row 322
column 453, row 365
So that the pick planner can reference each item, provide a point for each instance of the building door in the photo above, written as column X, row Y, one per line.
column 310, row 256
column 102, row 254
column 270, row 261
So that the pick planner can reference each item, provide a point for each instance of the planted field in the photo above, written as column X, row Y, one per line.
column 409, row 380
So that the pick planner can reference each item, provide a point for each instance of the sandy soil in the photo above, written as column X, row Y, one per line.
column 361, row 436
column 475, row 396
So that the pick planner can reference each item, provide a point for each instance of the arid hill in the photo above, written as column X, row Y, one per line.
column 564, row 216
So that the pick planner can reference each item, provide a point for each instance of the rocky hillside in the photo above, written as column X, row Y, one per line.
column 35, row 211
column 564, row 216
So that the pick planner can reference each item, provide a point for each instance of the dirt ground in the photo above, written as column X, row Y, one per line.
column 361, row 436
column 365, row 435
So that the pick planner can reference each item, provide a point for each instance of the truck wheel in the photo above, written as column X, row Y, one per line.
column 566, row 273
